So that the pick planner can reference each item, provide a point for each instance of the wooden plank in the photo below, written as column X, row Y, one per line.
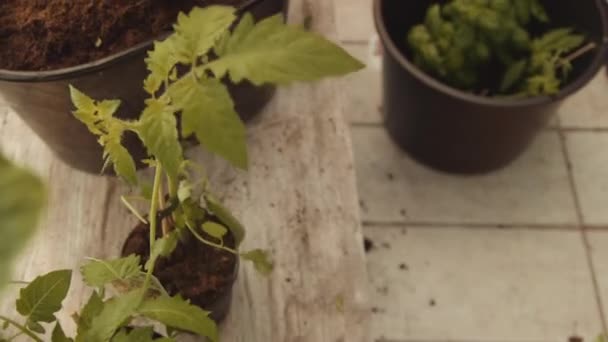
column 299, row 200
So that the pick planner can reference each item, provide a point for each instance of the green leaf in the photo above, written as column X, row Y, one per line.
column 208, row 111
column 98, row 273
column 260, row 260
column 115, row 314
column 124, row 165
column 513, row 75
column 161, row 60
column 157, row 129
column 41, row 299
column 184, row 191
column 197, row 32
column 272, row 52
column 175, row 312
column 98, row 117
column 561, row 39
column 92, row 309
column 226, row 217
column 163, row 247
column 215, row 230
column 35, row 327
column 59, row 335
column 22, row 197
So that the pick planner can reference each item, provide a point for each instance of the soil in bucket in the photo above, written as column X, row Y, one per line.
column 37, row 35
column 198, row 272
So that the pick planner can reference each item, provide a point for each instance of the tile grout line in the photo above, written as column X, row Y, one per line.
column 583, row 230
column 482, row 225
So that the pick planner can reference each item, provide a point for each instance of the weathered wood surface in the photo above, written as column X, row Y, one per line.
column 298, row 199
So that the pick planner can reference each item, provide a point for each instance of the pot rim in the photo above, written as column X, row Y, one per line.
column 78, row 70
column 428, row 80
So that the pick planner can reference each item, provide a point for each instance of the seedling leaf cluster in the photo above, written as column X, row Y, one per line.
column 186, row 99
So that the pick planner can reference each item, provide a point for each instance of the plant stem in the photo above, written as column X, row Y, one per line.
column 153, row 218
column 22, row 328
column 133, row 210
column 579, row 52
column 154, row 203
column 209, row 243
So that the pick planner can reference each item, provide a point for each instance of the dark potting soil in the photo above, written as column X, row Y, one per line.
column 198, row 272
column 52, row 34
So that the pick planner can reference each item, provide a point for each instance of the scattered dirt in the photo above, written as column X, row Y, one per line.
column 404, row 267
column 198, row 272
column 432, row 302
column 575, row 339
column 368, row 245
column 52, row 34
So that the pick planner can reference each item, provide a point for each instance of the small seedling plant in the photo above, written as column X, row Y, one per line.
column 184, row 82
column 487, row 47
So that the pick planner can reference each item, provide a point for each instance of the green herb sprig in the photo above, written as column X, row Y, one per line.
column 463, row 41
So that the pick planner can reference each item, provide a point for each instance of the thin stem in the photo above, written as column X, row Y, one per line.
column 153, row 220
column 172, row 187
column 22, row 328
column 133, row 210
column 579, row 52
column 209, row 243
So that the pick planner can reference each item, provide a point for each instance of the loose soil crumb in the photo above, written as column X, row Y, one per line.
column 368, row 245
column 53, row 34
column 198, row 272
column 403, row 267
column 432, row 302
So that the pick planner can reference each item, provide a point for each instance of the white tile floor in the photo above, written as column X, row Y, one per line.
column 515, row 256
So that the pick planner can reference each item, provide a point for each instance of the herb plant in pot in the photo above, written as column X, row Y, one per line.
column 180, row 263
column 468, row 84
column 99, row 47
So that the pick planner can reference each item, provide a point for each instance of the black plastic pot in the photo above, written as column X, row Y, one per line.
column 42, row 98
column 455, row 131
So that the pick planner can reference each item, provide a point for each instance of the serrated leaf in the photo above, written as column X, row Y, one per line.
column 208, row 111
column 260, row 259
column 272, row 52
column 98, row 273
column 160, row 63
column 59, row 335
column 198, row 31
column 157, row 129
column 226, row 217
column 42, row 298
column 561, row 39
column 115, row 314
column 98, row 117
column 22, row 197
column 163, row 247
column 215, row 230
column 177, row 313
column 513, row 75
column 124, row 165
column 92, row 308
